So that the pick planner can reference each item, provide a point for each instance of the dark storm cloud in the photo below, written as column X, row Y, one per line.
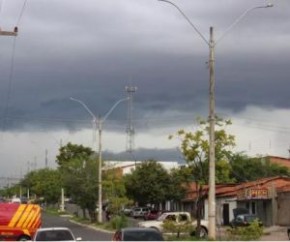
column 91, row 50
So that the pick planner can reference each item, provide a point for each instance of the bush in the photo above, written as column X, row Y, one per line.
column 252, row 232
column 118, row 222
column 177, row 229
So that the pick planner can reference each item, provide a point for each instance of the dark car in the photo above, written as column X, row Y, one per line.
column 152, row 215
column 137, row 234
column 244, row 220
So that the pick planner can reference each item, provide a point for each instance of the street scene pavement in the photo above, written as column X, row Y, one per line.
column 275, row 233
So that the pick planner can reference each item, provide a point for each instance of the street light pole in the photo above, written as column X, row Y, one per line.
column 100, row 122
column 211, row 44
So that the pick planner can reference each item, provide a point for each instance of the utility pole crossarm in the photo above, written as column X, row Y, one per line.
column 9, row 33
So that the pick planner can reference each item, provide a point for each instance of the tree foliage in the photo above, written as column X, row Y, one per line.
column 176, row 187
column 114, row 190
column 71, row 152
column 195, row 149
column 148, row 183
column 245, row 168
column 79, row 170
column 45, row 183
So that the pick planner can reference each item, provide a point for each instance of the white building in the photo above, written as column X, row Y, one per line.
column 128, row 166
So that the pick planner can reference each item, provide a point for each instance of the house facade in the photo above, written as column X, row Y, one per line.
column 268, row 198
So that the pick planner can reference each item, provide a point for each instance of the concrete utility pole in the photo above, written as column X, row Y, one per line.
column 211, row 182
column 211, row 44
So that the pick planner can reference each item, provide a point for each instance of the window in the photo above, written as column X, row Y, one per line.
column 251, row 206
column 183, row 217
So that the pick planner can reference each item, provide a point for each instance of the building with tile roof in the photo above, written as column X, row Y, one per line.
column 268, row 198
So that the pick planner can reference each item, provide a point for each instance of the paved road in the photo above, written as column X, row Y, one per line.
column 86, row 233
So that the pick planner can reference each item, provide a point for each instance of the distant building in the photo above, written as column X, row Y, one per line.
column 268, row 198
column 126, row 167
column 278, row 160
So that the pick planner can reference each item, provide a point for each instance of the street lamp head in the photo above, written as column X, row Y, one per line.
column 269, row 5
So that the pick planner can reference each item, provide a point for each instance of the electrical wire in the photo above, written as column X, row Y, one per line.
column 21, row 12
column 11, row 72
column 1, row 6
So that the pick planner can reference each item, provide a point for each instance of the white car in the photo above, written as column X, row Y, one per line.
column 177, row 218
column 54, row 234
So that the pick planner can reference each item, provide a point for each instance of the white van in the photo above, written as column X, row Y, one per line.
column 16, row 200
column 139, row 212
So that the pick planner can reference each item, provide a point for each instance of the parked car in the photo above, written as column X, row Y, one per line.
column 127, row 211
column 244, row 220
column 55, row 234
column 152, row 215
column 137, row 234
column 139, row 212
column 178, row 218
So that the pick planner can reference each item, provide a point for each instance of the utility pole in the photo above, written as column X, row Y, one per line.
column 211, row 194
column 211, row 44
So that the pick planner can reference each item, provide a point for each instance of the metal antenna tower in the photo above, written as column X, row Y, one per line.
column 46, row 158
column 130, row 127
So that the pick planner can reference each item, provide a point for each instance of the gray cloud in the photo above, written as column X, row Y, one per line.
column 92, row 49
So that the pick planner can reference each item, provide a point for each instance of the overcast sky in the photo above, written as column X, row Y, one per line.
column 92, row 49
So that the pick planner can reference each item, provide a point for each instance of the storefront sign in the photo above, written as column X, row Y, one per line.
column 258, row 193
column 253, row 193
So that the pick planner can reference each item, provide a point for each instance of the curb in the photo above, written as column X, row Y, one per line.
column 92, row 227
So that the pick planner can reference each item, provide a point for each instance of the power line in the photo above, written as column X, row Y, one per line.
column 12, row 64
column 21, row 12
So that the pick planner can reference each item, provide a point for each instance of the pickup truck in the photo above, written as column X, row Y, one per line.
column 178, row 218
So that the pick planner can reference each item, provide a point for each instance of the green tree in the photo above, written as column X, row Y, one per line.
column 79, row 170
column 179, row 177
column 148, row 183
column 114, row 190
column 195, row 149
column 45, row 183
column 245, row 168
column 72, row 151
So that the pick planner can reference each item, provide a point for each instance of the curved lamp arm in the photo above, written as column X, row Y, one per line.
column 85, row 106
column 112, row 108
column 269, row 5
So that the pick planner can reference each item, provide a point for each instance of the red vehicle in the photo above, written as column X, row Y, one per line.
column 152, row 215
column 19, row 221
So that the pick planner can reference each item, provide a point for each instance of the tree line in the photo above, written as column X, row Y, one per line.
column 149, row 182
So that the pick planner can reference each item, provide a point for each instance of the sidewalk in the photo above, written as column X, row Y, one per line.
column 273, row 233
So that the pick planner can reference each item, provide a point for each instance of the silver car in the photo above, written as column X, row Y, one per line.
column 139, row 212
column 55, row 234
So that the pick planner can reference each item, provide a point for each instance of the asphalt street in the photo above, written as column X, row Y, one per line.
column 86, row 233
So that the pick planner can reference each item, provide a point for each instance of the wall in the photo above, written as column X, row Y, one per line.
column 231, row 201
column 283, row 211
